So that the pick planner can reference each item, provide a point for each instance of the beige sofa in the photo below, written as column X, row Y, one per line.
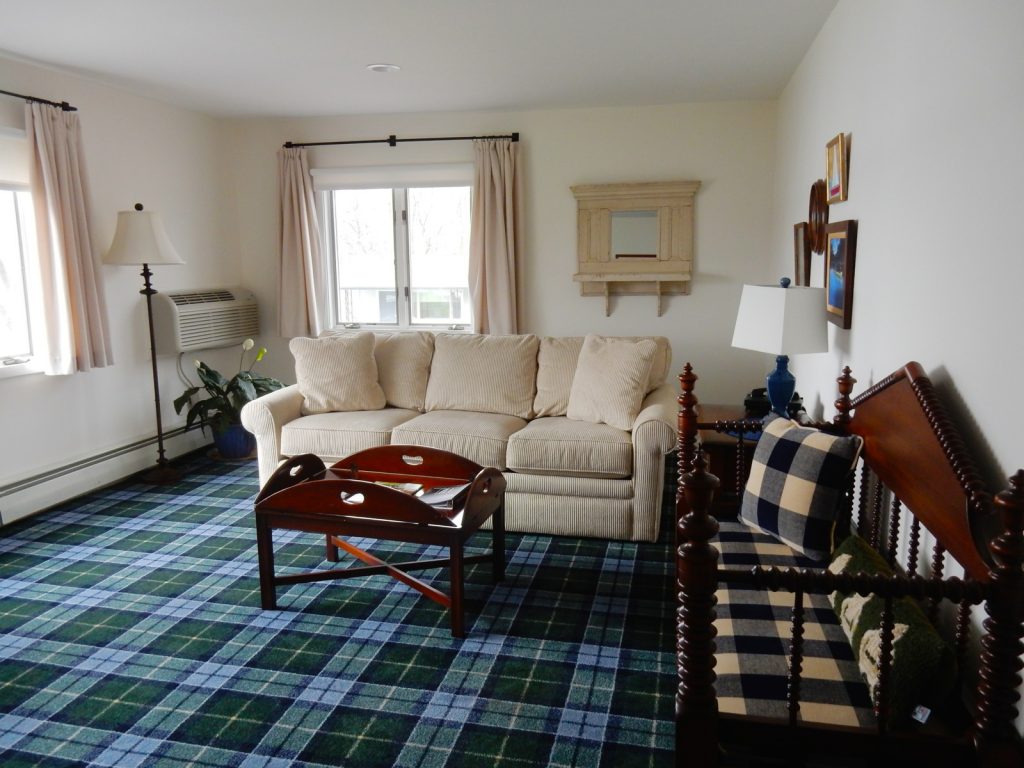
column 579, row 426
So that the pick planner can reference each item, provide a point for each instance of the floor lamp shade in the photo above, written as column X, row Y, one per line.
column 782, row 321
column 140, row 238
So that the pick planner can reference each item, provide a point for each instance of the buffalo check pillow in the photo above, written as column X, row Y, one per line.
column 796, row 477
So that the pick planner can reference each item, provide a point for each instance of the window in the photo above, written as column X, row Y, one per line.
column 399, row 254
column 16, row 244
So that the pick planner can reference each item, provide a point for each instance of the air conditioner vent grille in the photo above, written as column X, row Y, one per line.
column 183, row 298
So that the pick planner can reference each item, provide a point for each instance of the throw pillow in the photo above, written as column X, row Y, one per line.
column 337, row 373
column 610, row 381
column 403, row 366
column 556, row 364
column 796, row 477
column 923, row 670
column 481, row 372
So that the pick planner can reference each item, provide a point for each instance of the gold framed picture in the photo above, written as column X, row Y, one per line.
column 837, row 161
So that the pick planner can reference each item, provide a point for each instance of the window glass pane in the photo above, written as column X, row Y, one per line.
column 364, row 245
column 439, row 220
column 14, row 328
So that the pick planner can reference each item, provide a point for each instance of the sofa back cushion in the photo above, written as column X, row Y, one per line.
column 337, row 373
column 611, row 380
column 556, row 366
column 492, row 374
column 403, row 367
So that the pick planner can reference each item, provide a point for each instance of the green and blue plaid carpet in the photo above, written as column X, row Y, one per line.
column 131, row 635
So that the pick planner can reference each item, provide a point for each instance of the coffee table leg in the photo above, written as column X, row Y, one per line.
column 330, row 550
column 265, row 554
column 457, row 609
column 498, row 543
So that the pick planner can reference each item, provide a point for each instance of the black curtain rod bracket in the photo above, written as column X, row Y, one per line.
column 62, row 104
column 393, row 140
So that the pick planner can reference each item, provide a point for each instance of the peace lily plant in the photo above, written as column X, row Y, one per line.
column 222, row 406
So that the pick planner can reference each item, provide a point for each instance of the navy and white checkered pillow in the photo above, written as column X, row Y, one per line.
column 796, row 477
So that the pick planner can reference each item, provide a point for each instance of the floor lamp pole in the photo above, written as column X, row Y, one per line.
column 164, row 473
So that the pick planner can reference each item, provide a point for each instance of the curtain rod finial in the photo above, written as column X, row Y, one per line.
column 515, row 136
column 288, row 145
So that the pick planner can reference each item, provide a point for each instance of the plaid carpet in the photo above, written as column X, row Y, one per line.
column 131, row 635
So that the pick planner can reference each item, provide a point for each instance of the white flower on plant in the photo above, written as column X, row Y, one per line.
column 248, row 344
column 198, row 364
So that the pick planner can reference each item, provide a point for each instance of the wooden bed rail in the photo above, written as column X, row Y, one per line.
column 896, row 427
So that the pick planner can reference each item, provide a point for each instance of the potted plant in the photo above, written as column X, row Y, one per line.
column 222, row 407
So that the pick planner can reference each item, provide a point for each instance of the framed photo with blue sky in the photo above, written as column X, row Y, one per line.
column 840, row 260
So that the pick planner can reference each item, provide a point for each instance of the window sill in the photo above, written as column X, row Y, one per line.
column 20, row 369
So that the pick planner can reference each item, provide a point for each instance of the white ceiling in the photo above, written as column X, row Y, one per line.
column 308, row 57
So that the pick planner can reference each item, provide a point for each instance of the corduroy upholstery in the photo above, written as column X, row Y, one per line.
column 564, row 477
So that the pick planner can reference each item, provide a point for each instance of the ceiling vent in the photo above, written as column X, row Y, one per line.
column 187, row 320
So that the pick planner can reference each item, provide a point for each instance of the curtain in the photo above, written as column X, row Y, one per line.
column 495, row 242
column 301, row 305
column 72, row 332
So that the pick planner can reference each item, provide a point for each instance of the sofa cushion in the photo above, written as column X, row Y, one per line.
column 561, row 446
column 336, row 435
column 488, row 374
column 480, row 437
column 610, row 380
column 337, row 373
column 403, row 366
column 556, row 365
column 796, row 477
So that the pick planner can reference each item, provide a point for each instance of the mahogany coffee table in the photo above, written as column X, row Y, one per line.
column 346, row 500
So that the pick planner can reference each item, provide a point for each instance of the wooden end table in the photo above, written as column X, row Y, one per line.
column 345, row 500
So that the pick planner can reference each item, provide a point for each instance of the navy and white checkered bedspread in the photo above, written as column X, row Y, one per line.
column 754, row 633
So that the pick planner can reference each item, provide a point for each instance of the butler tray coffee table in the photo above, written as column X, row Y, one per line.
column 361, row 496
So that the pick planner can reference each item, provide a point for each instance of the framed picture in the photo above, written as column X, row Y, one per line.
column 840, row 260
column 801, row 254
column 837, row 160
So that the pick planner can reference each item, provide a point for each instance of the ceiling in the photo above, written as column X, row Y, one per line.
column 309, row 57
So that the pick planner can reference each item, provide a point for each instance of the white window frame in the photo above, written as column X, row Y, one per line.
column 21, row 365
column 398, row 178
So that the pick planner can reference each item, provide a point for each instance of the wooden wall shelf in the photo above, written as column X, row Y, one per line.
column 669, row 207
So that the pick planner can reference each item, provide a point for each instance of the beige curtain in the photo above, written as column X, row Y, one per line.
column 300, row 299
column 495, row 242
column 71, row 333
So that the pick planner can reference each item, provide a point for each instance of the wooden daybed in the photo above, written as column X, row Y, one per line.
column 916, row 487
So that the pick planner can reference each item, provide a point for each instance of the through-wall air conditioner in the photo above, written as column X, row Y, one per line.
column 192, row 319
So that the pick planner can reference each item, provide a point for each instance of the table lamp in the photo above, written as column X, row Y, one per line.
column 783, row 321
column 140, row 238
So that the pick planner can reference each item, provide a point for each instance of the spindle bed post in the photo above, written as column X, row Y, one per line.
column 1001, row 646
column 697, row 581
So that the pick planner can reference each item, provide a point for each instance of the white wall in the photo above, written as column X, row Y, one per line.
column 932, row 92
column 727, row 146
column 136, row 150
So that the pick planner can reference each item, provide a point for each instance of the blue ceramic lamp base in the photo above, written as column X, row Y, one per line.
column 781, row 384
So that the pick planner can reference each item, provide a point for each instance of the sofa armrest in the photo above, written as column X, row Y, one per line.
column 264, row 417
column 659, row 417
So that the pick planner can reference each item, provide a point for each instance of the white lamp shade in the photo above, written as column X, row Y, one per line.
column 141, row 239
column 782, row 321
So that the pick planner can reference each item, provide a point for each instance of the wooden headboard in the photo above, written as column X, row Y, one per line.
column 916, row 452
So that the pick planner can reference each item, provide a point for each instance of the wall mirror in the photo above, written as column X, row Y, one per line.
column 635, row 239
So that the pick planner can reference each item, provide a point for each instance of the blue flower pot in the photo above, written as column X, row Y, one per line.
column 236, row 442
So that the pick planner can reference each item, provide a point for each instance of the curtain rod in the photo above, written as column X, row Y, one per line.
column 62, row 104
column 393, row 140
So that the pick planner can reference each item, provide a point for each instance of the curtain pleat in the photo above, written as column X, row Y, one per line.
column 301, row 306
column 72, row 332
column 495, row 243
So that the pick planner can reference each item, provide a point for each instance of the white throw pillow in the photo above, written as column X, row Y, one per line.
column 481, row 372
column 337, row 373
column 403, row 366
column 610, row 380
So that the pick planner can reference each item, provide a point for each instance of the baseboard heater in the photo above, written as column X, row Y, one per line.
column 74, row 466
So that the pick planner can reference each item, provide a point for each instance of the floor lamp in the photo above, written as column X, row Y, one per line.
column 141, row 239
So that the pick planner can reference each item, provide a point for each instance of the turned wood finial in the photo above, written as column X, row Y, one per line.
column 843, row 403
column 687, row 420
